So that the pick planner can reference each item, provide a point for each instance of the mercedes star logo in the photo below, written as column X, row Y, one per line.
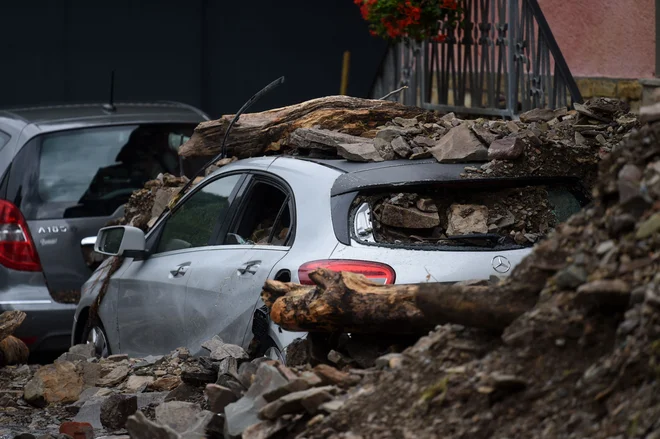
column 501, row 264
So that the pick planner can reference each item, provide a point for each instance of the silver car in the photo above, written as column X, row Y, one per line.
column 200, row 270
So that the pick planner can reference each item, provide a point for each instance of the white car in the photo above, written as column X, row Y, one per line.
column 200, row 270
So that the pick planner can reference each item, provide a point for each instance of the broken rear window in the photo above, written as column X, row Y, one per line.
column 507, row 215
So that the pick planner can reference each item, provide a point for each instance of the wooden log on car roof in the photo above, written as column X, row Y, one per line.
column 254, row 134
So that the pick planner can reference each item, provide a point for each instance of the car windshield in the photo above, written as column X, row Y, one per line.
column 92, row 172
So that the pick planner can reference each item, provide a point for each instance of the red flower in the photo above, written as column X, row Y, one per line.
column 364, row 10
column 373, row 33
column 449, row 4
column 415, row 13
column 439, row 38
column 357, row 2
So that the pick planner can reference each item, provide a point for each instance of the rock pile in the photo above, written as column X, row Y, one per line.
column 543, row 142
column 174, row 396
column 582, row 363
column 517, row 215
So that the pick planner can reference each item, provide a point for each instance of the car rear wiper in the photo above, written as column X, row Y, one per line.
column 223, row 148
column 479, row 239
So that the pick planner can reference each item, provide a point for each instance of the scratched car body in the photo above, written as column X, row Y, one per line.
column 200, row 270
column 65, row 171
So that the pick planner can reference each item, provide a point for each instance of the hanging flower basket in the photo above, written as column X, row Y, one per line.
column 410, row 20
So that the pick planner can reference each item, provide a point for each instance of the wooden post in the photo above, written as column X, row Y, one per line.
column 344, row 73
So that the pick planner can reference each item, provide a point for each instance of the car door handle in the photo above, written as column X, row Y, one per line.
column 90, row 240
column 179, row 270
column 249, row 267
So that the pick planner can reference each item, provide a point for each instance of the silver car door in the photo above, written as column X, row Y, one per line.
column 222, row 304
column 151, row 300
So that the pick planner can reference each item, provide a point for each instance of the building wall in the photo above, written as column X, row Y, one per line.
column 208, row 53
column 605, row 38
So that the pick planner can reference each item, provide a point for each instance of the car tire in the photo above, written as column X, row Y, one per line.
column 95, row 334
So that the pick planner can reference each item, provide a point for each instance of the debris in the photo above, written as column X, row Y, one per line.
column 408, row 217
column 59, row 382
column 315, row 138
column 221, row 350
column 116, row 409
column 137, row 383
column 165, row 383
column 459, row 145
column 243, row 413
column 139, row 427
column 179, row 416
column 467, row 219
column 359, row 152
column 537, row 115
column 219, row 397
column 116, row 375
column 77, row 430
column 294, row 402
column 257, row 131
column 508, row 148
column 401, row 147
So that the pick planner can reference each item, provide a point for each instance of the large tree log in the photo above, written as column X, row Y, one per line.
column 12, row 350
column 257, row 133
column 348, row 302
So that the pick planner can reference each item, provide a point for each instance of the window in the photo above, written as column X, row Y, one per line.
column 92, row 172
column 266, row 219
column 196, row 222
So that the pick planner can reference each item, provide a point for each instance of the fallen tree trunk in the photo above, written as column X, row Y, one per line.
column 257, row 133
column 348, row 302
column 12, row 350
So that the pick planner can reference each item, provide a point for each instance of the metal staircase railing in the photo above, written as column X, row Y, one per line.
column 500, row 61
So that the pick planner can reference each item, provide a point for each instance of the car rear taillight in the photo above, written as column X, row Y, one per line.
column 374, row 271
column 17, row 250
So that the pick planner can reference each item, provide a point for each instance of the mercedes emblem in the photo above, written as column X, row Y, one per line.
column 501, row 264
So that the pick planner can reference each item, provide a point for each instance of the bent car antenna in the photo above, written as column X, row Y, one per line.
column 110, row 106
column 223, row 148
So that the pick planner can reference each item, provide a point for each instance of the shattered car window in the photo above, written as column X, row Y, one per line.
column 513, row 216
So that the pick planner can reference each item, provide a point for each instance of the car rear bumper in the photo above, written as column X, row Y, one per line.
column 47, row 325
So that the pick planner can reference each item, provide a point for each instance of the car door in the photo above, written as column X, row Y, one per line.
column 256, row 238
column 151, row 304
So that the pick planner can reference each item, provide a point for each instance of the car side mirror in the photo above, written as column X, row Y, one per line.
column 120, row 241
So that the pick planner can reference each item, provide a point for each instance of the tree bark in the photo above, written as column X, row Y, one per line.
column 12, row 349
column 348, row 302
column 255, row 134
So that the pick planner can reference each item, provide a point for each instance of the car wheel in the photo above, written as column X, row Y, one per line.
column 96, row 336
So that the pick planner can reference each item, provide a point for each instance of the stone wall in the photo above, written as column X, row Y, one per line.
column 629, row 90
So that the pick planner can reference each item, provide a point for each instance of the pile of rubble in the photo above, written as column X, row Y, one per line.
column 171, row 396
column 543, row 143
column 523, row 215
column 582, row 363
